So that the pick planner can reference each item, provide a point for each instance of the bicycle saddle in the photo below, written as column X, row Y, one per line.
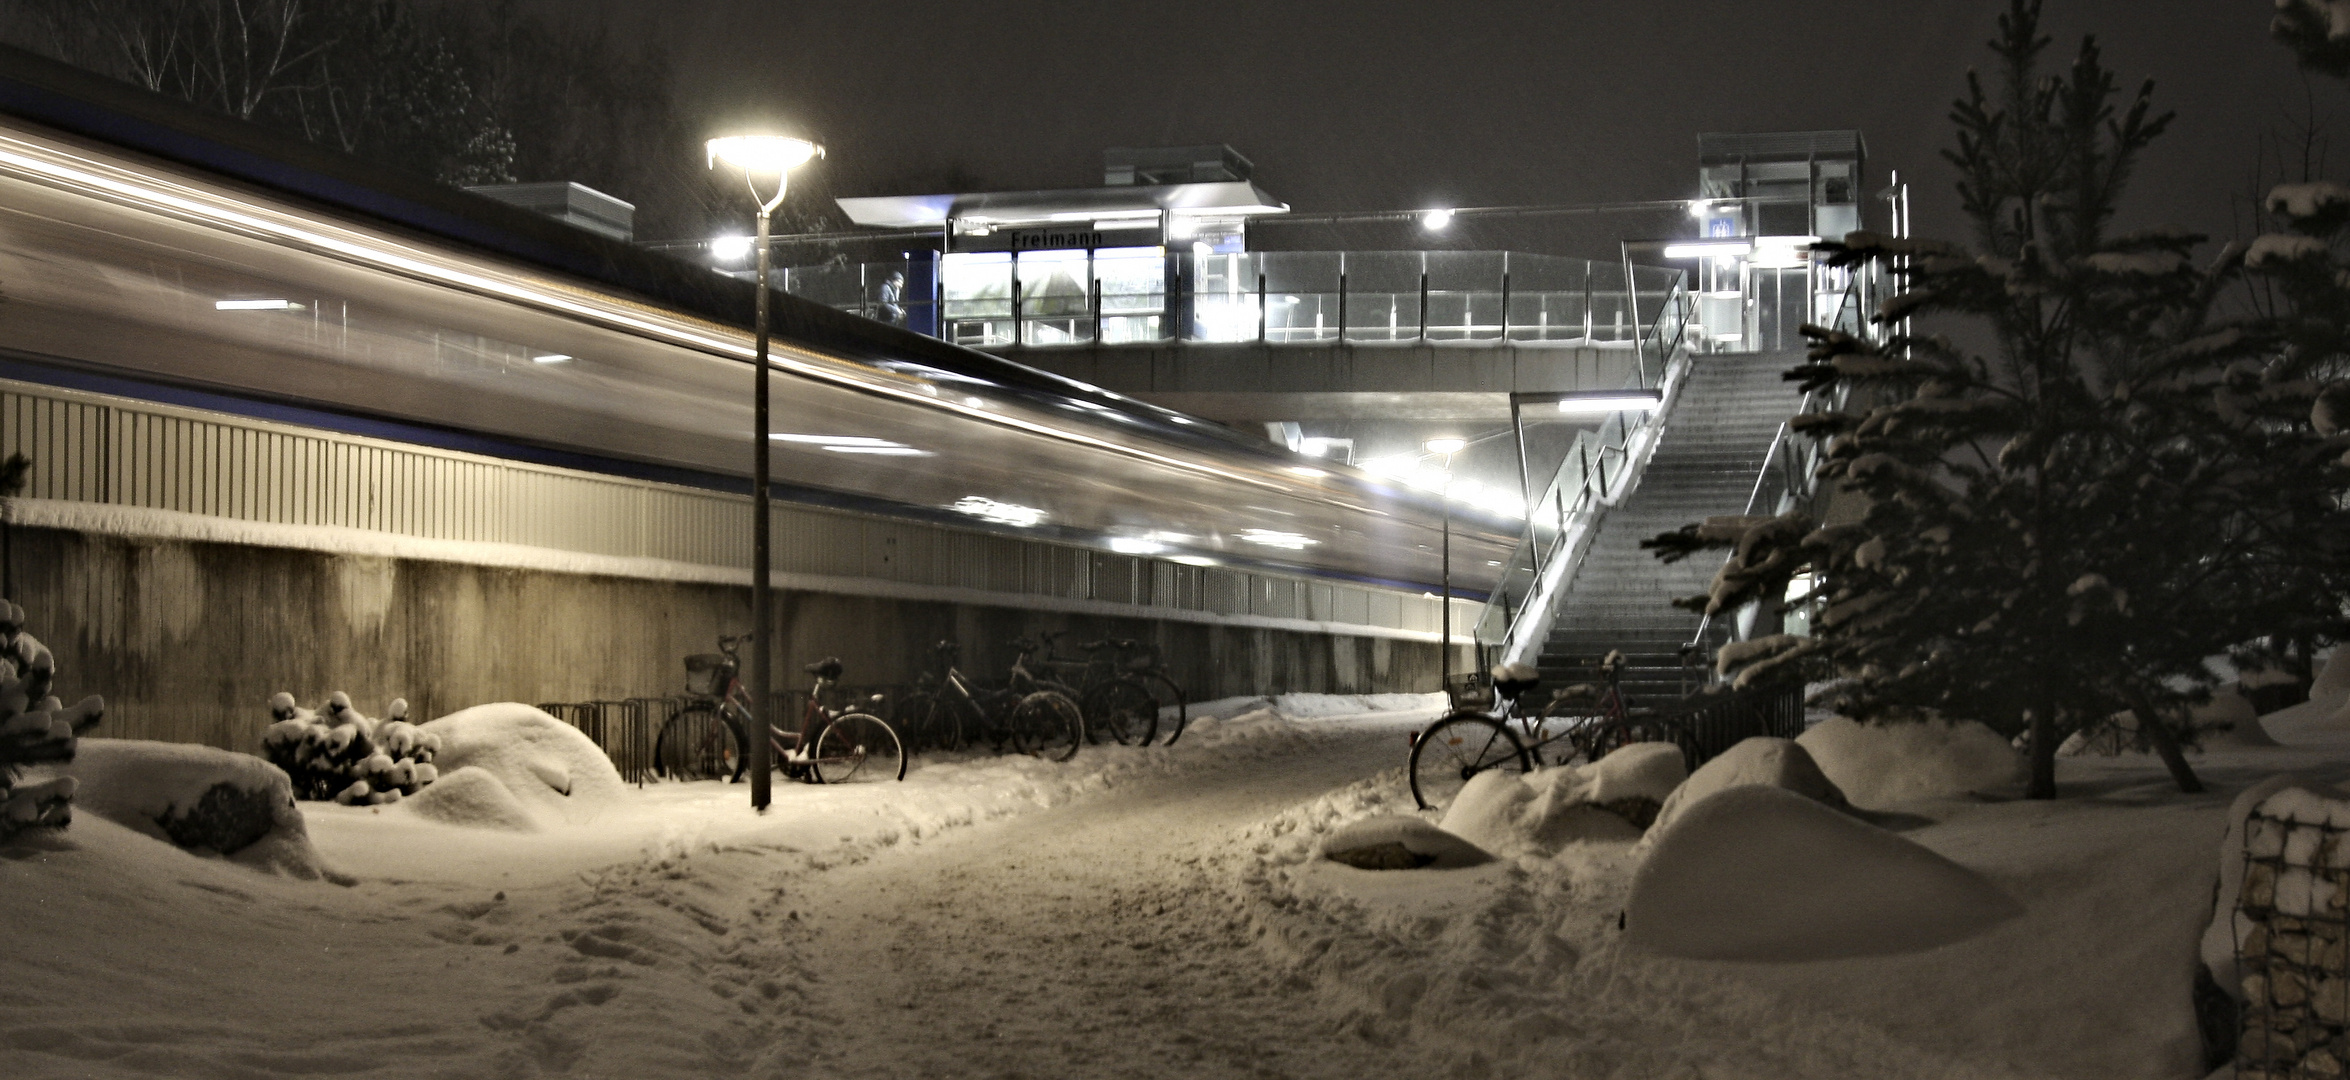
column 827, row 669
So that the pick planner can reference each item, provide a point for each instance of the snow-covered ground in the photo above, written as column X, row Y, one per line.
column 1134, row 912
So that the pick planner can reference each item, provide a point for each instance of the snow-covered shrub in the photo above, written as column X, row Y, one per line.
column 198, row 798
column 342, row 754
column 35, row 729
column 557, row 774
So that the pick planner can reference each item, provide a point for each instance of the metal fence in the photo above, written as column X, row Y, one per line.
column 2290, row 929
column 624, row 729
column 1717, row 720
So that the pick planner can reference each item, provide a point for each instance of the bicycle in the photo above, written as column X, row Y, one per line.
column 832, row 746
column 1027, row 715
column 1122, row 689
column 1466, row 742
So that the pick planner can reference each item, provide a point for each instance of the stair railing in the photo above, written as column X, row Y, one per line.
column 1598, row 471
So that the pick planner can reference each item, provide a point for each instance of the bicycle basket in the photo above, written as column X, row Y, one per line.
column 706, row 674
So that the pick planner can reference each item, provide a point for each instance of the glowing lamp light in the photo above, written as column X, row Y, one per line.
column 763, row 154
column 551, row 358
column 1436, row 220
column 730, row 248
column 1445, row 446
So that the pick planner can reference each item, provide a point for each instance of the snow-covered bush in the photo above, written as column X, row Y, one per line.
column 342, row 754
column 35, row 729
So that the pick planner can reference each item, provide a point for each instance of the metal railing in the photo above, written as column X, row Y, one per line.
column 1602, row 464
column 1140, row 296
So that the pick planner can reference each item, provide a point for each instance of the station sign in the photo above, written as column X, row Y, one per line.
column 1082, row 237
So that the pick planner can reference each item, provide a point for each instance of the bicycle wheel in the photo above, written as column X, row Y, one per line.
column 698, row 744
column 857, row 747
column 1121, row 710
column 1456, row 748
column 1048, row 725
column 1174, row 711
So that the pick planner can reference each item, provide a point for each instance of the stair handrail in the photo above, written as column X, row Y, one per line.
column 1599, row 470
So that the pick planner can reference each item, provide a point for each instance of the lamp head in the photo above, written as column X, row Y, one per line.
column 763, row 155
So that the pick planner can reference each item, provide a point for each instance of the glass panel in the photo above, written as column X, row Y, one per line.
column 1056, row 298
column 1301, row 295
column 1224, row 298
column 977, row 286
column 1548, row 298
column 1464, row 295
column 1133, row 285
column 1383, row 295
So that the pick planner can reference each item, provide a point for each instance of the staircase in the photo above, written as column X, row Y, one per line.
column 1707, row 458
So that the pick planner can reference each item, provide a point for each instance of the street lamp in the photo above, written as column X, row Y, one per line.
column 1446, row 447
column 759, row 157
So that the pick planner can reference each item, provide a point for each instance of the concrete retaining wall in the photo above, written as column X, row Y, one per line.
column 187, row 640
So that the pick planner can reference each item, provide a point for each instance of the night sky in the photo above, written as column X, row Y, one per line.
column 1381, row 105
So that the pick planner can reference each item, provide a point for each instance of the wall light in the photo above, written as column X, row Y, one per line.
column 1436, row 220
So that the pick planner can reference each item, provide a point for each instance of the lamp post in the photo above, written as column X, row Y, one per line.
column 761, row 156
column 1446, row 447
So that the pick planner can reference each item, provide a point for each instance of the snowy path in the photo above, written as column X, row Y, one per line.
column 1092, row 939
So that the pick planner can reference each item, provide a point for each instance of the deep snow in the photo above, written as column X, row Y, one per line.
column 1135, row 912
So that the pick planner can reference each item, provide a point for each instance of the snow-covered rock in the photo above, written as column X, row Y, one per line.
column 1763, row 873
column 1757, row 762
column 1400, row 842
column 1878, row 765
column 473, row 798
column 2219, row 936
column 199, row 798
column 548, row 766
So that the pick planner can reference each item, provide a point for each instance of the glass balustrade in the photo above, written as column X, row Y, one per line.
column 1117, row 296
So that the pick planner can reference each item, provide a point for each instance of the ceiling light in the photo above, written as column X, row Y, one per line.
column 1445, row 446
column 834, row 440
column 1436, row 220
column 1129, row 545
column 1307, row 472
column 884, row 451
column 1590, row 404
column 256, row 305
column 1710, row 249
column 551, row 358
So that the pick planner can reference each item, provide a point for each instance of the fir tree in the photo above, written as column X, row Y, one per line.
column 2065, row 524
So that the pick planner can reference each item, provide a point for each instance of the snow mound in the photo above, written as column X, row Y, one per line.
column 2332, row 688
column 1427, row 845
column 1760, row 761
column 548, row 766
column 2326, row 713
column 1763, row 873
column 2230, row 720
column 1314, row 706
column 1534, row 814
column 1649, row 770
column 198, row 798
column 473, row 798
column 1878, row 765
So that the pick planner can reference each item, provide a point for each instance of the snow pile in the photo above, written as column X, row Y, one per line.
column 549, row 769
column 1879, row 765
column 2327, row 712
column 1613, row 798
column 1759, row 761
column 198, row 798
column 340, row 753
column 1317, row 706
column 1763, row 873
column 2229, row 719
column 1400, row 842
column 473, row 798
